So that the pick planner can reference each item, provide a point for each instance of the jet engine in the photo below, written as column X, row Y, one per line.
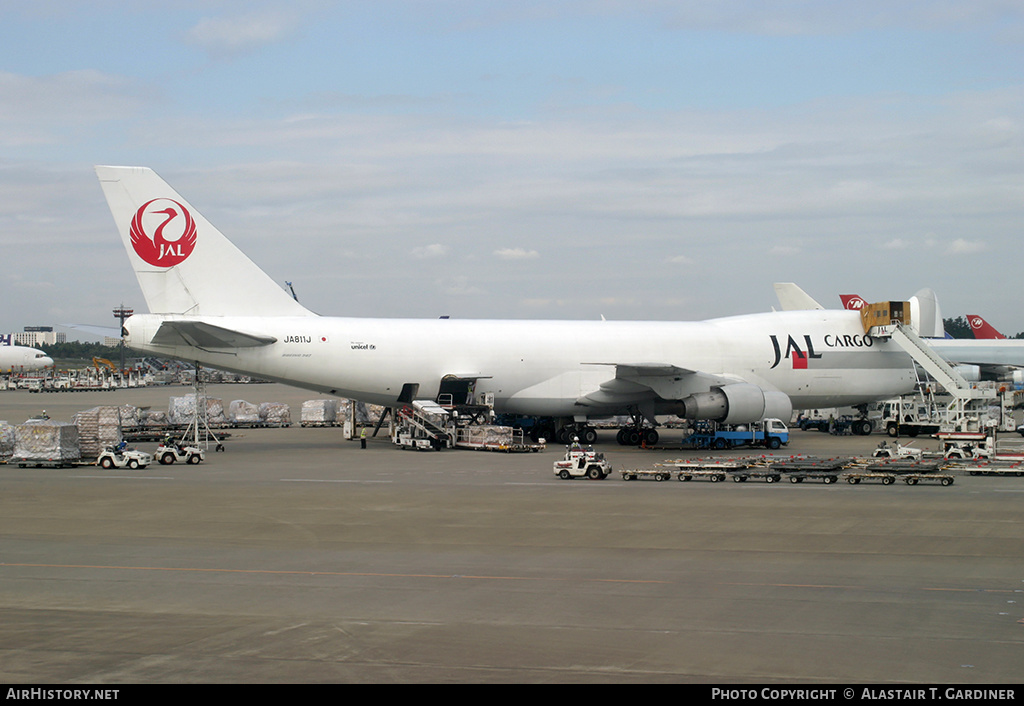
column 970, row 373
column 737, row 403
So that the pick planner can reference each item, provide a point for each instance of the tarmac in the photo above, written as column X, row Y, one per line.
column 295, row 557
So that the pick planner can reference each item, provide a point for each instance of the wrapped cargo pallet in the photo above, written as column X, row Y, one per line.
column 98, row 428
column 489, row 435
column 368, row 413
column 319, row 413
column 242, row 412
column 182, row 410
column 131, row 416
column 45, row 441
column 155, row 418
column 6, row 441
column 276, row 413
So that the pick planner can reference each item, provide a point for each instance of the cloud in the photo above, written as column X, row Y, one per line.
column 241, row 34
column 962, row 246
column 516, row 254
column 896, row 244
column 429, row 251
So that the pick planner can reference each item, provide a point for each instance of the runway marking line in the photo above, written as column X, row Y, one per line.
column 297, row 572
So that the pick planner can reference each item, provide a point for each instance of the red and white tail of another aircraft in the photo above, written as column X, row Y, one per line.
column 981, row 328
column 853, row 302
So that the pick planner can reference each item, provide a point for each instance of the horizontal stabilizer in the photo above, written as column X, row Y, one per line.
column 204, row 335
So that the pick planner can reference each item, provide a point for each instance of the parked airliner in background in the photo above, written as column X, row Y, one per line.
column 982, row 329
column 212, row 305
column 988, row 357
column 16, row 359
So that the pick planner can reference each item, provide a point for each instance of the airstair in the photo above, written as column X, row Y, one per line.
column 971, row 407
column 422, row 425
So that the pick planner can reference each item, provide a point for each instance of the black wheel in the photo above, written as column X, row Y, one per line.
column 167, row 459
column 737, row 478
column 107, row 462
column 721, row 444
column 194, row 459
column 632, row 437
column 892, row 429
column 774, row 443
column 651, row 437
column 853, row 481
column 714, row 478
column 887, row 480
column 659, row 477
column 594, row 473
column 771, row 479
column 828, row 479
column 794, row 479
column 133, row 464
column 588, row 435
column 563, row 474
column 946, row 481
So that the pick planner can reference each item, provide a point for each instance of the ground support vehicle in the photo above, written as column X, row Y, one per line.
column 493, row 438
column 896, row 451
column 940, row 478
column 582, row 463
column 43, row 463
column 767, row 433
column 765, row 474
column 909, row 470
column 801, row 468
column 112, row 457
column 856, row 477
column 658, row 474
column 712, row 470
column 967, row 445
column 992, row 468
column 180, row 453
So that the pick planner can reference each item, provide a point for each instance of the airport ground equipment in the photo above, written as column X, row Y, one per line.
column 582, row 462
column 168, row 453
column 112, row 457
column 910, row 470
column 801, row 468
column 712, row 470
column 897, row 450
column 912, row 415
column 426, row 425
column 767, row 433
column 992, row 468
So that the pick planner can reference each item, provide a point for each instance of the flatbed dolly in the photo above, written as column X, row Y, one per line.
column 801, row 468
column 655, row 474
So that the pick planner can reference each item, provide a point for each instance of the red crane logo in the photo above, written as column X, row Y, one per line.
column 163, row 232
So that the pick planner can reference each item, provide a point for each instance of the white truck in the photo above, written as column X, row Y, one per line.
column 169, row 452
column 115, row 457
column 582, row 463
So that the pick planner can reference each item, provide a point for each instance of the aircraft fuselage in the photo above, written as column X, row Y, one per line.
column 544, row 368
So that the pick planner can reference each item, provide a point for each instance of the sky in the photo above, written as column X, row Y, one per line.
column 665, row 160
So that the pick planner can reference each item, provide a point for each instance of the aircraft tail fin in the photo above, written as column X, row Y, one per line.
column 853, row 302
column 184, row 265
column 981, row 328
column 793, row 298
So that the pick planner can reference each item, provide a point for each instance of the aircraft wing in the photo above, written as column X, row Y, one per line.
column 638, row 383
column 204, row 335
